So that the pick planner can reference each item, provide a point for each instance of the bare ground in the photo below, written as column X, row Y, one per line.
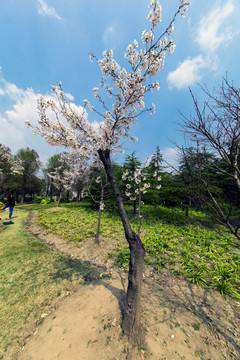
column 181, row 320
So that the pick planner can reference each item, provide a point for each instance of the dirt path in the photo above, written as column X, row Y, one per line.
column 182, row 321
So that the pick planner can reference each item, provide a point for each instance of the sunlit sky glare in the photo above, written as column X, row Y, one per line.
column 44, row 42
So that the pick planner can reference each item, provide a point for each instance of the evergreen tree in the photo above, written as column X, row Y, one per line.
column 154, row 172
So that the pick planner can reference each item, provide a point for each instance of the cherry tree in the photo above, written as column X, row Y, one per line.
column 126, row 88
column 8, row 168
column 130, row 165
column 73, row 168
column 136, row 186
column 5, row 163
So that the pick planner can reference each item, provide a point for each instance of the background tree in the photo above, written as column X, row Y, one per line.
column 72, row 169
column 127, row 92
column 217, row 127
column 195, row 167
column 154, row 171
column 6, row 170
column 170, row 194
column 28, row 163
column 36, row 186
column 52, row 164
column 205, row 186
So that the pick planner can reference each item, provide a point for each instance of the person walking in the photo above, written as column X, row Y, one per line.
column 9, row 204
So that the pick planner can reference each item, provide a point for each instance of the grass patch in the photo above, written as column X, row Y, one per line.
column 186, row 245
column 31, row 276
column 78, row 223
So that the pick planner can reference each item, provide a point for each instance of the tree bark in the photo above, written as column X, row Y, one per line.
column 98, row 227
column 59, row 199
column 134, row 207
column 97, row 240
column 22, row 197
column 131, row 324
column 139, row 215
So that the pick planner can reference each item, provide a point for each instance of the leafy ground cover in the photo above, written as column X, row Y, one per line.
column 78, row 223
column 32, row 275
column 191, row 246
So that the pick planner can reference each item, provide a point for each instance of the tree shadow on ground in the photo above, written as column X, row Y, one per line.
column 70, row 268
column 67, row 268
column 182, row 297
column 120, row 294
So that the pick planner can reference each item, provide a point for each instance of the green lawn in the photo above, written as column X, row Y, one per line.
column 31, row 276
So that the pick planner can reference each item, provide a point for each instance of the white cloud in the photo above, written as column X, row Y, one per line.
column 187, row 73
column 12, row 91
column 69, row 96
column 45, row 10
column 21, row 106
column 14, row 133
column 208, row 34
column 24, row 108
column 10, row 135
column 171, row 156
column 109, row 35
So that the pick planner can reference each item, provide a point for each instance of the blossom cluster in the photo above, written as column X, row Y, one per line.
column 126, row 88
column 6, row 158
column 184, row 8
column 136, row 184
column 72, row 168
column 101, row 206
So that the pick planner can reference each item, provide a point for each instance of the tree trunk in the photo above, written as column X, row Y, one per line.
column 236, row 178
column 139, row 215
column 131, row 324
column 99, row 217
column 51, row 191
column 134, row 207
column 98, row 226
column 22, row 197
column 59, row 199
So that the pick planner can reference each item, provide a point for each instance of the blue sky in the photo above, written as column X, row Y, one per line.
column 43, row 42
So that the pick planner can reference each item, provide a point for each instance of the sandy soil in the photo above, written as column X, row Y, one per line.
column 181, row 320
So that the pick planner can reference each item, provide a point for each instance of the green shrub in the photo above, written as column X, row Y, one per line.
column 45, row 201
column 37, row 200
